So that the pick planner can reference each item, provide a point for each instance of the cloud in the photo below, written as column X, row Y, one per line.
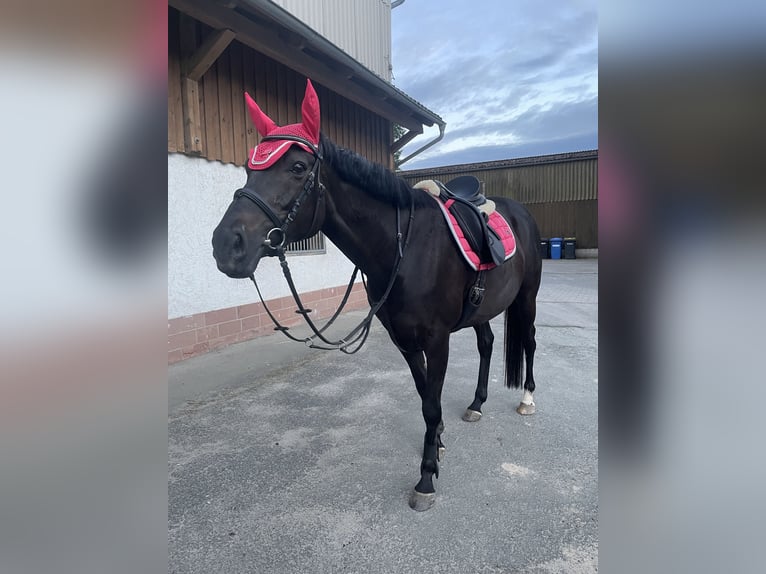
column 516, row 75
column 499, row 152
column 543, row 127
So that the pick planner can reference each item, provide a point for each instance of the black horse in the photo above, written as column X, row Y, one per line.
column 300, row 182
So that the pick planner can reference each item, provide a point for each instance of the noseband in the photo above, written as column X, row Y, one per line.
column 276, row 244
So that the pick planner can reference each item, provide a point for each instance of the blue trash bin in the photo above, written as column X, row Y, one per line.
column 556, row 247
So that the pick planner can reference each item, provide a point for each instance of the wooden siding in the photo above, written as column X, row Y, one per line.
column 577, row 219
column 226, row 130
column 560, row 191
column 563, row 177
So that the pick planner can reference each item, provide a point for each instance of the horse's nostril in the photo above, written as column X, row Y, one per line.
column 238, row 245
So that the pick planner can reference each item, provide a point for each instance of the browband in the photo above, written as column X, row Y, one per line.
column 314, row 149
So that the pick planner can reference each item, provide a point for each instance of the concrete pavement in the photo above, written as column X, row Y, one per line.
column 284, row 459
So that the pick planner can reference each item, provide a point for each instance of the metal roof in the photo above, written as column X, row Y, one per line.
column 504, row 163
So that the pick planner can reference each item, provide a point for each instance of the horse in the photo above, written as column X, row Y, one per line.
column 299, row 182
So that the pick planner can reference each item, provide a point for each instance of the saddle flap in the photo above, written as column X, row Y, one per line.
column 496, row 247
column 470, row 221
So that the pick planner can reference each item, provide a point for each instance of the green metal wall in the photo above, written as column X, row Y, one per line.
column 561, row 191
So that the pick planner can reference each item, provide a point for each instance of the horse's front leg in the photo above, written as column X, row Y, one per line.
column 417, row 364
column 430, row 390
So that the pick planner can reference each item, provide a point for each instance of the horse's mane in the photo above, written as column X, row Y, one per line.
column 372, row 178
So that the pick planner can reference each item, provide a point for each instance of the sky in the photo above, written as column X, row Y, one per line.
column 511, row 78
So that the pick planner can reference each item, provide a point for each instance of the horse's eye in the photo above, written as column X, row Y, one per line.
column 298, row 167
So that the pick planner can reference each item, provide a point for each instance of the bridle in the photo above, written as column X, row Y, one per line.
column 312, row 182
column 361, row 331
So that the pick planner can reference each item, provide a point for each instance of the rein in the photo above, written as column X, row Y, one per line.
column 359, row 333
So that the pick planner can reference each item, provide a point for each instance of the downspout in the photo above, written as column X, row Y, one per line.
column 442, row 127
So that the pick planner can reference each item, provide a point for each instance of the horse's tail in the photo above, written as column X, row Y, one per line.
column 514, row 344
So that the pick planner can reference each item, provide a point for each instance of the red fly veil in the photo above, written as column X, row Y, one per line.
column 266, row 153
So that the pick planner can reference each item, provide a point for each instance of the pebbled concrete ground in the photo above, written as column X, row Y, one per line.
column 282, row 459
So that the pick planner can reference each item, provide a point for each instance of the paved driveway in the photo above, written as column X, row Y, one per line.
column 283, row 459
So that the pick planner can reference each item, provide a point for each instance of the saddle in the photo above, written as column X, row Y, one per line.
column 466, row 206
column 466, row 187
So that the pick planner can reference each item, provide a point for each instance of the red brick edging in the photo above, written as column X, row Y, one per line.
column 194, row 335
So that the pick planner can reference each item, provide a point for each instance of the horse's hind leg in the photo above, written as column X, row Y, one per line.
column 528, row 312
column 484, row 339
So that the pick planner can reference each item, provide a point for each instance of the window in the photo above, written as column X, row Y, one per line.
column 314, row 245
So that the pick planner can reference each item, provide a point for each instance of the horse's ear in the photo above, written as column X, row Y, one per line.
column 263, row 123
column 310, row 112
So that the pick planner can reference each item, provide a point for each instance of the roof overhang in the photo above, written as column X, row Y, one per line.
column 273, row 31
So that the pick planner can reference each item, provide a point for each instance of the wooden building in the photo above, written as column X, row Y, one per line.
column 561, row 190
column 215, row 53
column 219, row 49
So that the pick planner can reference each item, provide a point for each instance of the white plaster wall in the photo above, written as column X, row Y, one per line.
column 199, row 192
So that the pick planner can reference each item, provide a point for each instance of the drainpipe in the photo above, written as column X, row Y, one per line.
column 442, row 126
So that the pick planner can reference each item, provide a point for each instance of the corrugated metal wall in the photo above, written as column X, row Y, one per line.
column 361, row 28
column 228, row 134
column 560, row 191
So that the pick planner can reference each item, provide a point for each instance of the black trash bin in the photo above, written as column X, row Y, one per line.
column 570, row 244
column 545, row 248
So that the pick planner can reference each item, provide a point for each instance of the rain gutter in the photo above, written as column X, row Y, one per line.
column 442, row 125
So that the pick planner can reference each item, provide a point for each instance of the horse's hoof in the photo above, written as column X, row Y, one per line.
column 471, row 416
column 525, row 409
column 420, row 501
column 440, row 453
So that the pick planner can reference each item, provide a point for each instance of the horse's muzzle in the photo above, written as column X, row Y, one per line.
column 231, row 252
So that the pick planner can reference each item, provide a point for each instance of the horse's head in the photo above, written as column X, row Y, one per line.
column 281, row 200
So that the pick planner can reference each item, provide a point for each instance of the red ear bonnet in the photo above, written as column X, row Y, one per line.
column 268, row 152
column 310, row 113
column 263, row 123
